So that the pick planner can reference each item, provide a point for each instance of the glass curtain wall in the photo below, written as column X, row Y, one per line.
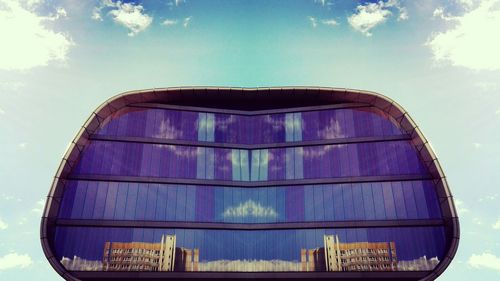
column 152, row 165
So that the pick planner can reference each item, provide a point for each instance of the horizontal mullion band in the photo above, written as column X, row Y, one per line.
column 250, row 146
column 249, row 226
column 342, row 275
column 249, row 112
column 248, row 184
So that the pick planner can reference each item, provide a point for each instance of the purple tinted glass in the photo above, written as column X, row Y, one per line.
column 327, row 161
column 259, row 129
column 329, row 202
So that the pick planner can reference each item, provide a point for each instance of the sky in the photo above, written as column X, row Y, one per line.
column 59, row 60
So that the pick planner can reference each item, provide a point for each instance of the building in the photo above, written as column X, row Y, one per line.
column 359, row 256
column 139, row 256
column 250, row 183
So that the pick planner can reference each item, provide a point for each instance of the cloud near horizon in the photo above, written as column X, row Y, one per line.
column 15, row 260
column 485, row 261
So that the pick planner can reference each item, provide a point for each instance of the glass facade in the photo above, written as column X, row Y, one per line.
column 338, row 189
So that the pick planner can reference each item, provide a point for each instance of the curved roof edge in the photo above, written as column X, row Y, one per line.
column 326, row 94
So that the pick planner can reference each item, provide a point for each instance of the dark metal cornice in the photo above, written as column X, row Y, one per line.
column 248, row 184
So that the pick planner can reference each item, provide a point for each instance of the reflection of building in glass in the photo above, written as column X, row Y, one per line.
column 187, row 259
column 359, row 256
column 312, row 259
column 419, row 264
column 138, row 256
column 79, row 264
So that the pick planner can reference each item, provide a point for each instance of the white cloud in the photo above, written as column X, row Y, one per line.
column 321, row 2
column 250, row 208
column 488, row 198
column 178, row 2
column 169, row 22
column 186, row 21
column 496, row 225
column 26, row 41
column 486, row 86
column 459, row 205
column 314, row 21
column 484, row 260
column 14, row 260
column 2, row 112
column 330, row 22
column 370, row 15
column 473, row 42
column 3, row 225
column 39, row 205
column 131, row 16
column 22, row 221
column 22, row 145
column 497, row 112
column 477, row 145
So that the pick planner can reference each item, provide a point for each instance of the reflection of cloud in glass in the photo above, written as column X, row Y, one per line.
column 276, row 123
column 332, row 130
column 168, row 131
column 181, row 151
column 250, row 208
column 223, row 123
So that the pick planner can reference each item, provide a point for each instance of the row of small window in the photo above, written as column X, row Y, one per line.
column 329, row 202
column 410, row 248
column 326, row 161
column 272, row 128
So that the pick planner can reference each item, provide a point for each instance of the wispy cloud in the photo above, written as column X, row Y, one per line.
column 22, row 145
column 39, row 205
column 314, row 21
column 496, row 225
column 330, row 22
column 250, row 209
column 26, row 41
column 488, row 198
column 169, row 22
column 460, row 206
column 472, row 42
column 485, row 260
column 15, row 260
column 477, row 145
column 187, row 21
column 370, row 15
column 3, row 224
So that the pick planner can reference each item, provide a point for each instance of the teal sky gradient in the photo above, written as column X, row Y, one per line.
column 253, row 44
